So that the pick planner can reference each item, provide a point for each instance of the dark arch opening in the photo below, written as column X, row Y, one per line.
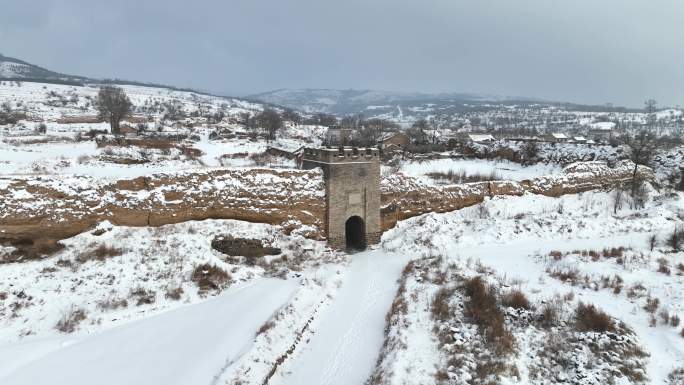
column 355, row 233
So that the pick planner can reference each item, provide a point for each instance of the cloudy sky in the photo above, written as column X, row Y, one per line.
column 619, row 51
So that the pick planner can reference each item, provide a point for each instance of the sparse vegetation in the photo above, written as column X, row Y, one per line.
column 143, row 296
column 112, row 303
column 516, row 299
column 550, row 314
column 652, row 305
column 676, row 239
column 210, row 277
column 589, row 318
column 483, row 309
column 70, row 320
column 99, row 253
column 174, row 292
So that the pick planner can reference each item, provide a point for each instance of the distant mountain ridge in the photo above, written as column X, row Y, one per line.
column 342, row 102
column 15, row 69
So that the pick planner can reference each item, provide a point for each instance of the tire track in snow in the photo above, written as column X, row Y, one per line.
column 350, row 332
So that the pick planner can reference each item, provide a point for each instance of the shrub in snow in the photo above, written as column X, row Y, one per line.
column 112, row 303
column 589, row 318
column 99, row 253
column 209, row 277
column 482, row 307
column 516, row 299
column 652, row 305
column 143, row 296
column 70, row 320
column 676, row 239
column 174, row 293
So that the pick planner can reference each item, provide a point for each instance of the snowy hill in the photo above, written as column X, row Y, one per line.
column 343, row 102
column 15, row 69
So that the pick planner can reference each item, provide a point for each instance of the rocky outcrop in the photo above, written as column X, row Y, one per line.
column 242, row 247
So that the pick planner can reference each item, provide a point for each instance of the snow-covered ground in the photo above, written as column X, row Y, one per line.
column 348, row 334
column 189, row 345
column 325, row 323
column 499, row 169
column 310, row 315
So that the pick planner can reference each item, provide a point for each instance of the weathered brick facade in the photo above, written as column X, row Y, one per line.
column 352, row 186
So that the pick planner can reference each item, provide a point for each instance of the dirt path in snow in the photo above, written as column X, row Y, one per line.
column 349, row 334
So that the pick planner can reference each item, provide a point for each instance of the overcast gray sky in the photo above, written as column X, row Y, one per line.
column 593, row 51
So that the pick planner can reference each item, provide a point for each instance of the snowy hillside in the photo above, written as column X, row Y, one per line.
column 324, row 319
column 191, row 249
column 11, row 68
column 344, row 102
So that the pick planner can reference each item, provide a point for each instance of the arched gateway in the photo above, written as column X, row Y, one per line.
column 352, row 194
column 355, row 233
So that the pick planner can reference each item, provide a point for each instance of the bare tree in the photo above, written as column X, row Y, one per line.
column 651, row 106
column 271, row 121
column 530, row 150
column 113, row 105
column 371, row 131
column 325, row 120
column 292, row 116
column 642, row 146
column 417, row 131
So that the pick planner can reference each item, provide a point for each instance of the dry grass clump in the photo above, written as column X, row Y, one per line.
column 399, row 305
column 516, row 299
column 99, row 253
column 27, row 250
column 209, row 277
column 483, row 309
column 268, row 325
column 550, row 314
column 676, row 376
column 112, row 303
column 174, row 293
column 652, row 305
column 571, row 275
column 70, row 320
column 556, row 254
column 440, row 308
column 589, row 318
column 663, row 266
column 143, row 296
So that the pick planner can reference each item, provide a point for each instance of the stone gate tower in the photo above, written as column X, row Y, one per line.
column 352, row 194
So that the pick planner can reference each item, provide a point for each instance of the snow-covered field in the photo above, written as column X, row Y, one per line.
column 499, row 169
column 159, row 305
column 325, row 322
column 66, row 148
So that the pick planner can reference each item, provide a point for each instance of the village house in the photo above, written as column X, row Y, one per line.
column 602, row 131
column 337, row 135
column 481, row 138
column 393, row 141
column 556, row 137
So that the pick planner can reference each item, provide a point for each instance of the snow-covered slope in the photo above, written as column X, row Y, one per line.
column 11, row 68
